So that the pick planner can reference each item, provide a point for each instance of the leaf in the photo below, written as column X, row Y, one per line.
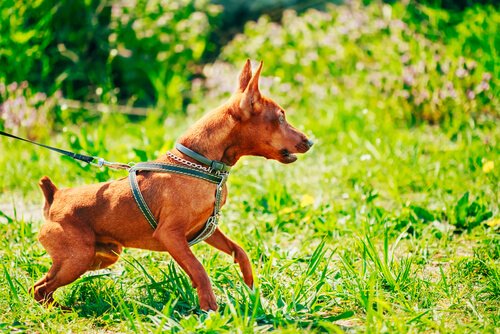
column 481, row 217
column 280, row 302
column 141, row 154
column 11, row 284
column 461, row 209
column 422, row 213
column 344, row 315
column 4, row 215
column 22, row 37
column 316, row 257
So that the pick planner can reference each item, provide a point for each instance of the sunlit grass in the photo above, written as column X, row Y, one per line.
column 337, row 240
column 389, row 224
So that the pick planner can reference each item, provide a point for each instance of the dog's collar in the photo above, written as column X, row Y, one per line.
column 213, row 164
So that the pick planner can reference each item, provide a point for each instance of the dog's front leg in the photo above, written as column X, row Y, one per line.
column 223, row 243
column 176, row 244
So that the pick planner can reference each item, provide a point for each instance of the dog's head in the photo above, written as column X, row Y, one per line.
column 263, row 127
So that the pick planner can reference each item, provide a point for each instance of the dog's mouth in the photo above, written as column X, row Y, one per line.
column 287, row 157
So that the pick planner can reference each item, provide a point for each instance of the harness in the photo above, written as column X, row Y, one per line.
column 216, row 172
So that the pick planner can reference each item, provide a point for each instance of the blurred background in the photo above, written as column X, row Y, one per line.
column 389, row 224
column 77, row 73
column 412, row 84
column 424, row 61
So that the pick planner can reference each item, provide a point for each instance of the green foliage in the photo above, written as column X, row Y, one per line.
column 455, row 4
column 469, row 215
column 135, row 51
column 381, row 227
column 472, row 33
column 464, row 216
column 24, row 112
column 371, row 57
column 158, row 43
column 43, row 43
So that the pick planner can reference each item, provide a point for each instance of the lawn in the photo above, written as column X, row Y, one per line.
column 389, row 224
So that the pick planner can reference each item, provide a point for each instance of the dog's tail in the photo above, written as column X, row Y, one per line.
column 48, row 189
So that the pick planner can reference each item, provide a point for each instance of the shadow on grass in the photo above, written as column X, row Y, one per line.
column 110, row 294
column 167, row 300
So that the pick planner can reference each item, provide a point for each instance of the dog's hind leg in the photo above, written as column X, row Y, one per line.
column 223, row 243
column 72, row 249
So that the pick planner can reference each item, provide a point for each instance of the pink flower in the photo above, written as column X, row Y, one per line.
column 461, row 72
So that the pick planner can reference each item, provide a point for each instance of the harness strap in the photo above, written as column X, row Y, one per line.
column 219, row 179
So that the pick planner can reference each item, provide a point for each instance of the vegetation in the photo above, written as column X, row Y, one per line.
column 389, row 224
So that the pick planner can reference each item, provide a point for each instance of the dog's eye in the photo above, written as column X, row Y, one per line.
column 281, row 118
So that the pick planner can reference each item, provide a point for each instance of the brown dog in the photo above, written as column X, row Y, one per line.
column 86, row 227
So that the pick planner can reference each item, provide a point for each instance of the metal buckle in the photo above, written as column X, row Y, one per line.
column 114, row 165
column 217, row 165
column 100, row 162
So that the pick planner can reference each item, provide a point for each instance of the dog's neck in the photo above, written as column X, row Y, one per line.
column 214, row 136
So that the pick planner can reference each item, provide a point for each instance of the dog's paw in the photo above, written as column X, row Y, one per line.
column 208, row 302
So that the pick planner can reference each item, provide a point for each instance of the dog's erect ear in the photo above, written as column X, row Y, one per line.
column 245, row 76
column 253, row 85
column 251, row 92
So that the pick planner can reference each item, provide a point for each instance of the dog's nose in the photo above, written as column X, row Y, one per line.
column 304, row 145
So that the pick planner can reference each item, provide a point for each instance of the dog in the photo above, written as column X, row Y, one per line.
column 87, row 227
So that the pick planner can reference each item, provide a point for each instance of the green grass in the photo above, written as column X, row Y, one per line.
column 370, row 231
column 388, row 224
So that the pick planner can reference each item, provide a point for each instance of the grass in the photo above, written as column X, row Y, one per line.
column 363, row 234
column 388, row 224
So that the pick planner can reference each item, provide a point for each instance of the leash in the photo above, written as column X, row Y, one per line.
column 216, row 172
column 95, row 161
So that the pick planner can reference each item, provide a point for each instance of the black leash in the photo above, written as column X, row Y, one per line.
column 85, row 158
column 76, row 156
